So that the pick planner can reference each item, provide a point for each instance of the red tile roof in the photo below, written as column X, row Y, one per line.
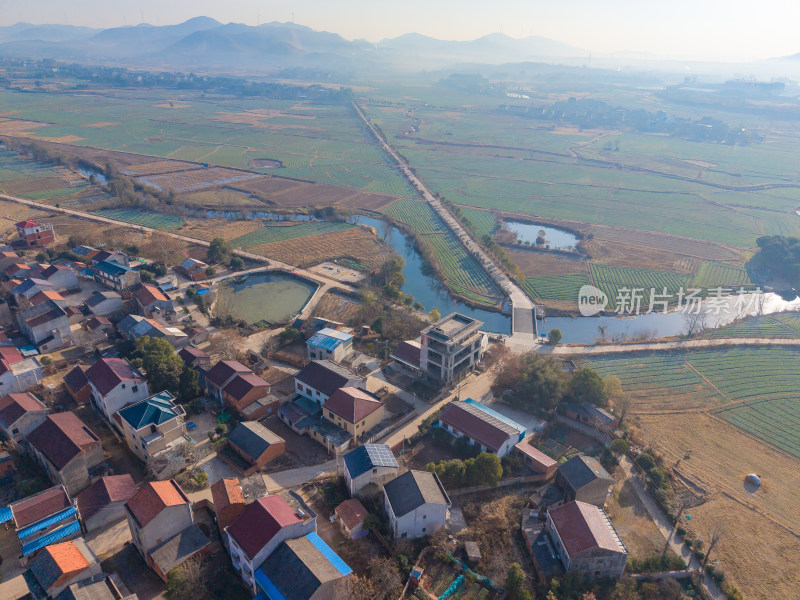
column 13, row 406
column 46, row 295
column 39, row 506
column 62, row 437
column 260, row 521
column 108, row 373
column 104, row 491
column 352, row 404
column 154, row 497
column 474, row 426
column 243, row 383
column 26, row 224
column 190, row 353
column 583, row 527
column 352, row 512
column 97, row 322
column 538, row 457
column 58, row 563
column 225, row 492
column 224, row 370
column 408, row 352
column 147, row 294
column 11, row 354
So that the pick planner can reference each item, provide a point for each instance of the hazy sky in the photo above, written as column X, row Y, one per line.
column 727, row 29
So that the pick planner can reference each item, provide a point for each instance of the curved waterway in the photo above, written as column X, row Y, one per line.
column 429, row 291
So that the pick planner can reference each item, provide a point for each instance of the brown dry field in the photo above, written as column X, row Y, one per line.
column 221, row 198
column 101, row 125
column 31, row 186
column 158, row 167
column 336, row 307
column 208, row 229
column 11, row 213
column 292, row 193
column 762, row 544
column 19, row 126
column 536, row 264
column 630, row 518
column 194, row 179
column 639, row 257
column 354, row 243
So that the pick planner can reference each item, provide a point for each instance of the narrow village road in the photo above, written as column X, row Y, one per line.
column 668, row 345
column 666, row 528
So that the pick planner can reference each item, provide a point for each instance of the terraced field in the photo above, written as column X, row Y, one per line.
column 281, row 231
column 143, row 217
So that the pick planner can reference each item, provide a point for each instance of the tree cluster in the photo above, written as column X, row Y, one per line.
column 164, row 370
column 779, row 257
column 484, row 469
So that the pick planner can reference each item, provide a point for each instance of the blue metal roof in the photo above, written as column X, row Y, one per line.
column 328, row 339
column 368, row 456
column 52, row 537
column 495, row 414
column 328, row 553
column 6, row 515
column 44, row 524
column 267, row 586
column 111, row 268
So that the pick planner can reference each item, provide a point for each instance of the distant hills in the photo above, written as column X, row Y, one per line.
column 205, row 42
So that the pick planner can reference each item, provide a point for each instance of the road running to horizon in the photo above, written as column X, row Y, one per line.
column 523, row 324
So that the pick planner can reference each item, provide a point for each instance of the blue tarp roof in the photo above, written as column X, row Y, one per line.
column 328, row 339
column 44, row 524
column 6, row 515
column 267, row 586
column 328, row 553
column 52, row 537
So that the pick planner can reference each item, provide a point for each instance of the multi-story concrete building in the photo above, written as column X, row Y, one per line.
column 20, row 414
column 330, row 344
column 115, row 383
column 46, row 326
column 451, row 347
column 152, row 424
column 34, row 235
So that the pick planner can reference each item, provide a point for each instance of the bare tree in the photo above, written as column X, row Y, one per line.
column 623, row 405
column 696, row 322
column 169, row 250
column 226, row 344
column 188, row 581
column 714, row 537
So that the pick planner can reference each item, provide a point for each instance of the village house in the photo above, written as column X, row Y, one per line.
column 61, row 565
column 115, row 383
column 330, row 344
column 260, row 529
column 194, row 357
column 150, row 302
column 416, row 504
column 229, row 503
column 536, row 460
column 150, row 426
column 46, row 326
column 17, row 271
column 68, row 451
column 77, row 384
column 406, row 356
column 354, row 410
column 43, row 518
column 114, row 256
column 481, row 426
column 586, row 541
column 33, row 235
column 133, row 327
column 370, row 463
column 451, row 347
column 584, row 478
column 99, row 327
column 319, row 379
column 103, row 503
column 19, row 374
column 162, row 526
column 8, row 258
column 220, row 375
column 591, row 415
column 63, row 279
column 251, row 446
column 352, row 514
column 20, row 414
column 316, row 572
column 46, row 295
column 249, row 396
column 104, row 304
column 29, row 288
column 114, row 275
column 193, row 269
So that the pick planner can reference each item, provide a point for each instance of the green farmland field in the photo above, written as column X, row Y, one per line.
column 279, row 233
column 612, row 280
column 781, row 325
column 483, row 221
column 556, row 287
column 764, row 381
column 712, row 274
column 142, row 217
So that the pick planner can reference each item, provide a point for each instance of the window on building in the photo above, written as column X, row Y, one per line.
column 424, row 516
column 135, row 389
column 123, row 386
column 423, row 530
column 374, row 470
column 15, row 431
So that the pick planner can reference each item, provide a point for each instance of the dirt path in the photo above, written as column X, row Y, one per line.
column 655, row 346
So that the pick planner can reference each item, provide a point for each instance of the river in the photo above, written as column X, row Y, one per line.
column 429, row 291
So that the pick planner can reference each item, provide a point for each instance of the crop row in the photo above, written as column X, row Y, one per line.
column 417, row 215
column 144, row 218
column 784, row 325
column 555, row 287
column 713, row 274
column 281, row 232
column 614, row 281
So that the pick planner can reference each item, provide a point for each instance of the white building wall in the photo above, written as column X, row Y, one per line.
column 423, row 521
column 378, row 475
column 125, row 393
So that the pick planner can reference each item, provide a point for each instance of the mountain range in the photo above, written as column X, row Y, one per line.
column 203, row 42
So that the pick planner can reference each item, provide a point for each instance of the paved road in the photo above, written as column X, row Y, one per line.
column 297, row 477
column 523, row 324
column 666, row 528
column 674, row 345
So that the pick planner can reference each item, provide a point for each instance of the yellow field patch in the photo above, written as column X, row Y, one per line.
column 100, row 125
